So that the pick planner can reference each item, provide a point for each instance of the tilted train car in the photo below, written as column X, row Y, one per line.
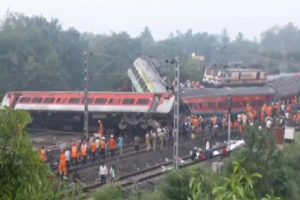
column 58, row 109
column 145, row 76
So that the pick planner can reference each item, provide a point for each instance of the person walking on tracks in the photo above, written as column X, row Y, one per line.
column 153, row 139
column 136, row 142
column 112, row 173
column 74, row 153
column 43, row 154
column 102, row 148
column 103, row 172
column 112, row 145
column 68, row 157
column 148, row 142
column 160, row 135
column 121, row 144
column 207, row 148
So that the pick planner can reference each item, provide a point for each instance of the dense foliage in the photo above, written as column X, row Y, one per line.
column 22, row 174
column 36, row 54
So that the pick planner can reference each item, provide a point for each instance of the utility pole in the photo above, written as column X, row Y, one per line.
column 86, row 54
column 176, row 111
column 86, row 105
column 229, row 118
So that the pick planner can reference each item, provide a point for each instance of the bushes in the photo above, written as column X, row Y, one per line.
column 110, row 192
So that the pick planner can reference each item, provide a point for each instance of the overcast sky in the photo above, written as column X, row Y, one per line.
column 162, row 16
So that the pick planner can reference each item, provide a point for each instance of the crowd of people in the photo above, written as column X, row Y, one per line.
column 99, row 147
column 274, row 114
column 190, row 84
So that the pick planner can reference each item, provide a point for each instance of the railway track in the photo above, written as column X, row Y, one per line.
column 151, row 172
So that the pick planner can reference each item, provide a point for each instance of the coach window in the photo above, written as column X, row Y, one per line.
column 211, row 105
column 58, row 100
column 143, row 102
column 193, row 106
column 25, row 99
column 100, row 101
column 128, row 101
column 222, row 105
column 254, row 103
column 37, row 100
column 238, row 104
column 74, row 100
column 260, row 103
column 49, row 100
column 90, row 100
column 200, row 105
column 114, row 101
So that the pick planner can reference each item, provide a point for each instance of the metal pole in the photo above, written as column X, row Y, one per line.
column 86, row 105
column 176, row 112
column 229, row 119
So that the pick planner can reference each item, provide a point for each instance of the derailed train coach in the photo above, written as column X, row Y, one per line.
column 64, row 110
column 216, row 100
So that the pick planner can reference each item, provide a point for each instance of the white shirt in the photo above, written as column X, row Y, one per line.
column 207, row 146
column 67, row 153
column 269, row 123
column 103, row 170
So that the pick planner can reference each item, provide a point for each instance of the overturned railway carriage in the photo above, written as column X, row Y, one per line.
column 215, row 100
column 64, row 110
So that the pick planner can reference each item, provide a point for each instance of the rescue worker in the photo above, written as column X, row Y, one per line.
column 83, row 151
column 102, row 148
column 93, row 150
column 43, row 154
column 112, row 145
column 136, row 142
column 101, row 129
column 121, row 144
column 147, row 140
column 74, row 153
column 62, row 164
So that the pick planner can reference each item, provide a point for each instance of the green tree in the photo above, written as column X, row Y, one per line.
column 239, row 185
column 261, row 155
column 23, row 175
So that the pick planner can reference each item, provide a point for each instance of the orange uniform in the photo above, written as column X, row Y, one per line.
column 112, row 144
column 102, row 144
column 93, row 147
column 63, row 164
column 43, row 154
column 83, row 150
column 269, row 111
column 74, row 152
